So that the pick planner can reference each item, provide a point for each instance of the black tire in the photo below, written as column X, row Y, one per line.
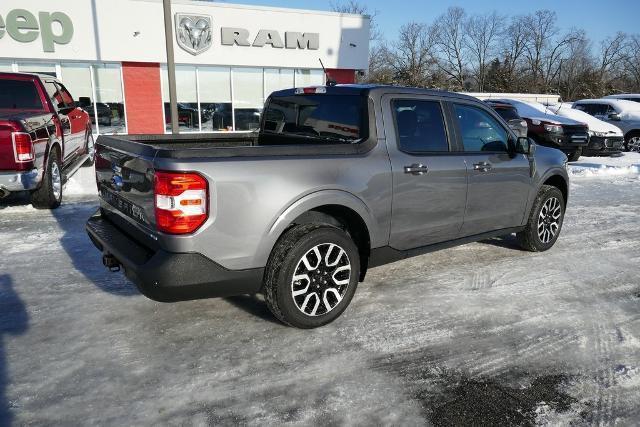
column 573, row 157
column 287, row 256
column 529, row 238
column 90, row 149
column 628, row 140
column 46, row 196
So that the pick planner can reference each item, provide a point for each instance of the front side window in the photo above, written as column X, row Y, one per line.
column 54, row 94
column 479, row 130
column 66, row 97
column 420, row 126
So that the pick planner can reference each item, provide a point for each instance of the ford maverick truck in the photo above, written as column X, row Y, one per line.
column 44, row 137
column 337, row 180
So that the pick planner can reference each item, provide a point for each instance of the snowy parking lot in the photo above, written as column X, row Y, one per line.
column 478, row 334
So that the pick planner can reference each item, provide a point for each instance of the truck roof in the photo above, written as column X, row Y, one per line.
column 10, row 74
column 364, row 89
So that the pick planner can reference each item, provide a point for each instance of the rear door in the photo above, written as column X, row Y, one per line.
column 498, row 180
column 63, row 103
column 429, row 180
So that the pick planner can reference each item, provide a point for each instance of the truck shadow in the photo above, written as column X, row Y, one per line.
column 14, row 320
column 507, row 242
column 253, row 305
column 86, row 259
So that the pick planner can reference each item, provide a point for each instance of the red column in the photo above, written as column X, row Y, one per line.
column 343, row 76
column 143, row 97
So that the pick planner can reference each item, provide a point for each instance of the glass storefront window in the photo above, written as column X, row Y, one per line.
column 277, row 79
column 309, row 78
column 5, row 67
column 248, row 97
column 186, row 88
column 36, row 67
column 109, row 100
column 77, row 79
column 214, row 85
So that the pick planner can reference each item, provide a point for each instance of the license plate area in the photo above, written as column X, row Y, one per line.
column 123, row 205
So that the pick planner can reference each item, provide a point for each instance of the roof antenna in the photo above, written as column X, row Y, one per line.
column 330, row 82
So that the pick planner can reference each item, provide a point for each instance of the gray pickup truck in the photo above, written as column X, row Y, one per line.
column 338, row 179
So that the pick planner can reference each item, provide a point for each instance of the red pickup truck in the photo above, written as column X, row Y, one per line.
column 44, row 137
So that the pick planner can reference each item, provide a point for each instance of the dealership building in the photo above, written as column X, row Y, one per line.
column 111, row 56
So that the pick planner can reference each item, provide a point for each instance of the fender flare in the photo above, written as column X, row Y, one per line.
column 309, row 202
column 555, row 171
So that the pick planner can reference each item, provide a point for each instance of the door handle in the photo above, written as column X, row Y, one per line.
column 416, row 169
column 482, row 166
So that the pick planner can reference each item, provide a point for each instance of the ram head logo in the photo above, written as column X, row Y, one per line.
column 193, row 32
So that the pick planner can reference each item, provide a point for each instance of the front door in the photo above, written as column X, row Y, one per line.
column 499, row 180
column 429, row 180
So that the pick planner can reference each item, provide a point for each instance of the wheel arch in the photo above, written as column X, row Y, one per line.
column 560, row 183
column 334, row 207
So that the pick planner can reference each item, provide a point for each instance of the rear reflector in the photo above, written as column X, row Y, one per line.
column 22, row 147
column 180, row 201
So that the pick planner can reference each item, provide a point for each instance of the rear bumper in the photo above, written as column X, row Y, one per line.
column 20, row 181
column 167, row 276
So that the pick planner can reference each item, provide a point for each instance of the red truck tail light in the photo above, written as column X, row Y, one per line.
column 181, row 201
column 22, row 147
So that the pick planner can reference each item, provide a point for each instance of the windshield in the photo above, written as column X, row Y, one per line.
column 508, row 113
column 333, row 118
column 19, row 95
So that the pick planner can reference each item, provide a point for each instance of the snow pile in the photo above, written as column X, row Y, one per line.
column 82, row 183
column 599, row 167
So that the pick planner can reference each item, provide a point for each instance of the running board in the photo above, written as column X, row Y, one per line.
column 73, row 168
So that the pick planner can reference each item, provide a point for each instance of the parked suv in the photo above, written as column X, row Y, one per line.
column 621, row 113
column 44, row 137
column 552, row 130
column 510, row 114
column 635, row 97
column 339, row 179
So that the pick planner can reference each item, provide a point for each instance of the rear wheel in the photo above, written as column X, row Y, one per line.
column 545, row 221
column 312, row 275
column 49, row 195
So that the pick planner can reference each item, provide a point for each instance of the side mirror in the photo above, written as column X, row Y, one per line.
column 525, row 145
column 614, row 117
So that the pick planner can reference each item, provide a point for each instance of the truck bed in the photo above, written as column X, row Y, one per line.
column 219, row 145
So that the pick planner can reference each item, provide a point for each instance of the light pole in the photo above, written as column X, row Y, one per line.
column 171, row 66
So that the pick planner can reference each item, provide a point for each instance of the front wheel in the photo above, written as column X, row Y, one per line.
column 312, row 275
column 90, row 149
column 545, row 221
column 632, row 142
column 573, row 157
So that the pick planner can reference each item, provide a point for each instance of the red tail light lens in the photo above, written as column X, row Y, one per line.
column 22, row 147
column 180, row 201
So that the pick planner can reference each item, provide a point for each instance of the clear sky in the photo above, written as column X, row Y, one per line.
column 600, row 18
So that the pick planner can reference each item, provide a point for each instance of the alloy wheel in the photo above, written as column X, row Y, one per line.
column 634, row 144
column 321, row 279
column 91, row 147
column 549, row 219
column 56, row 180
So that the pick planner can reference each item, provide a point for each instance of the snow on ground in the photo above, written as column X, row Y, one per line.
column 601, row 167
column 474, row 335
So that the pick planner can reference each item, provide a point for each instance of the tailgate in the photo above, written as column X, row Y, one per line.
column 125, row 184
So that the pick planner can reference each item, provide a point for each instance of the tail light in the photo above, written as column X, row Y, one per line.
column 22, row 147
column 181, row 201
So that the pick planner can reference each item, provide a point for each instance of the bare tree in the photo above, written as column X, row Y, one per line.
column 451, row 40
column 513, row 46
column 482, row 34
column 632, row 61
column 413, row 54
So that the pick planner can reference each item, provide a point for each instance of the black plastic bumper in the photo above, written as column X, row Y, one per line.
column 166, row 276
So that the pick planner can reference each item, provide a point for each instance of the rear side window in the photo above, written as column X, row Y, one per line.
column 317, row 117
column 593, row 109
column 420, row 126
column 480, row 131
column 19, row 95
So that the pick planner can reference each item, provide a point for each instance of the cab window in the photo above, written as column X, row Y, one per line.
column 420, row 126
column 480, row 131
